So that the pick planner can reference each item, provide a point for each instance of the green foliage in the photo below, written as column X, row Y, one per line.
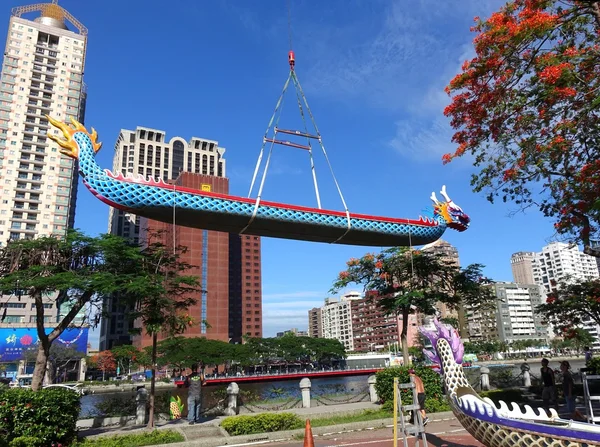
column 431, row 381
column 261, row 423
column 491, row 346
column 76, row 271
column 182, row 352
column 525, row 109
column 126, row 356
column 403, row 281
column 155, row 437
column 49, row 414
column 571, row 305
column 594, row 365
column 26, row 441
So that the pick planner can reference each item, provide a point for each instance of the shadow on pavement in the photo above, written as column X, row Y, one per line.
column 465, row 440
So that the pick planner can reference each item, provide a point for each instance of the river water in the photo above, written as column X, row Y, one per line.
column 285, row 390
column 281, row 390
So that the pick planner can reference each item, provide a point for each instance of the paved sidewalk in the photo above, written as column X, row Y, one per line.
column 438, row 433
column 209, row 434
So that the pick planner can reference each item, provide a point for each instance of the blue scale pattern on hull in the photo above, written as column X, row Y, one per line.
column 202, row 211
column 129, row 195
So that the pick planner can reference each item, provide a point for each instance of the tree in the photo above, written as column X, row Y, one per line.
column 126, row 356
column 72, row 273
column 470, row 288
column 160, row 294
column 402, row 281
column 58, row 359
column 579, row 338
column 526, row 106
column 182, row 352
column 571, row 305
column 104, row 361
column 452, row 321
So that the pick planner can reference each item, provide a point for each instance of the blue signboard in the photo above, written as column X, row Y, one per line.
column 14, row 341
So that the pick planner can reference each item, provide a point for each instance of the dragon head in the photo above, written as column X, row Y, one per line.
column 68, row 144
column 452, row 214
column 454, row 350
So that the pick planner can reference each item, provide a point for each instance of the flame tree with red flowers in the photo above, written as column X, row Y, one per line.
column 527, row 107
column 571, row 305
column 104, row 361
column 404, row 281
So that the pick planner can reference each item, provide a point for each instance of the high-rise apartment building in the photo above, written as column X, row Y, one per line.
column 558, row 261
column 515, row 314
column 359, row 323
column 521, row 264
column 449, row 254
column 315, row 323
column 228, row 264
column 336, row 317
column 373, row 329
column 42, row 74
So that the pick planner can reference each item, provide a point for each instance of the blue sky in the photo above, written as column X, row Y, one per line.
column 373, row 72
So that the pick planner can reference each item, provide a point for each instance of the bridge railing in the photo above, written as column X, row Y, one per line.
column 292, row 372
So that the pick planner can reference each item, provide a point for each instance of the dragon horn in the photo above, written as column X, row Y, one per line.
column 445, row 194
column 434, row 198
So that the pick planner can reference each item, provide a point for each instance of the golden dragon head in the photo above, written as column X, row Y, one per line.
column 68, row 144
column 452, row 214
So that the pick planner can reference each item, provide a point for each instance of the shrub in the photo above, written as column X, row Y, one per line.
column 49, row 414
column 593, row 365
column 261, row 423
column 435, row 400
column 152, row 438
column 25, row 441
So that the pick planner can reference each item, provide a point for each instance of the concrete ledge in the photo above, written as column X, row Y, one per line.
column 117, row 421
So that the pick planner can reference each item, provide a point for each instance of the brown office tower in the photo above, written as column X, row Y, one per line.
column 220, row 260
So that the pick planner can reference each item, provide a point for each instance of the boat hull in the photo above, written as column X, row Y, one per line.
column 218, row 212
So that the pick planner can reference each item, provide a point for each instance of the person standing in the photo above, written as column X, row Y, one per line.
column 588, row 354
column 549, row 391
column 420, row 395
column 194, row 383
column 569, row 392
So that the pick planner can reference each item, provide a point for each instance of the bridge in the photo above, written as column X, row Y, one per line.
column 297, row 375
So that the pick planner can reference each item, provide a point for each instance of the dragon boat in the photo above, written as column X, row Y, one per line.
column 168, row 202
column 504, row 426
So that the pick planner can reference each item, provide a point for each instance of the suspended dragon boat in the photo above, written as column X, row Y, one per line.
column 158, row 200
column 504, row 426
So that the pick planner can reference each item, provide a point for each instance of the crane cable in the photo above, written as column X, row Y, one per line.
column 289, row 4
column 301, row 98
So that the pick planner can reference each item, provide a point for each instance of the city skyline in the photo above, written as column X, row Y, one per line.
column 403, row 135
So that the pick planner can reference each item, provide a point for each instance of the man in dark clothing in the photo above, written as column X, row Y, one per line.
column 549, row 391
column 194, row 383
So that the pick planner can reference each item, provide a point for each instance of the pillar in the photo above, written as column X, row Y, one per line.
column 372, row 391
column 305, row 388
column 141, row 398
column 485, row 378
column 526, row 375
column 233, row 390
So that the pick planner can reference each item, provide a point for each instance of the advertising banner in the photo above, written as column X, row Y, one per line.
column 14, row 341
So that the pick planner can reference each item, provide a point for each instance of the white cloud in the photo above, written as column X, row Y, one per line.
column 423, row 140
